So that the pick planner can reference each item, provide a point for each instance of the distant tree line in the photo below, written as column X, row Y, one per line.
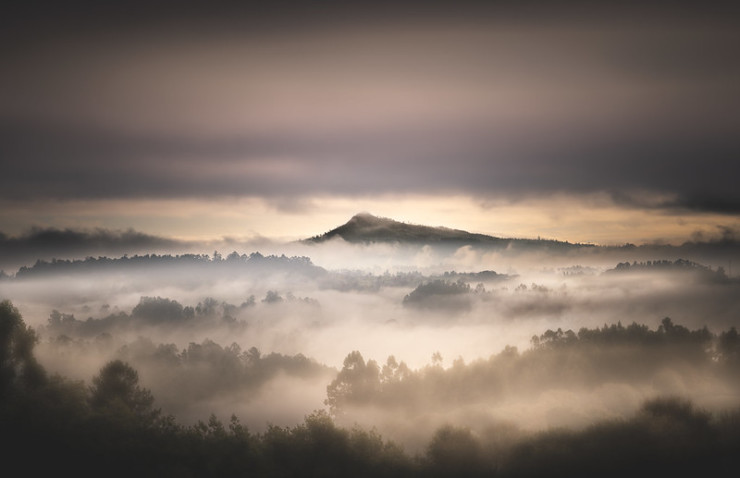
column 367, row 282
column 666, row 265
column 634, row 354
column 233, row 261
column 164, row 312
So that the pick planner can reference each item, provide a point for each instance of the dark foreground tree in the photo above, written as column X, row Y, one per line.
column 18, row 366
column 116, row 393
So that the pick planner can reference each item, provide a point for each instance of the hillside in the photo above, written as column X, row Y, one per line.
column 366, row 228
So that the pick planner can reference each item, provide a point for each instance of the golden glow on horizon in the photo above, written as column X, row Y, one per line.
column 592, row 219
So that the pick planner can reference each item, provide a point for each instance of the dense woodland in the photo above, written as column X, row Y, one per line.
column 113, row 426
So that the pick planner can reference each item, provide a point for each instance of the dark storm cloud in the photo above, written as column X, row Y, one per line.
column 287, row 101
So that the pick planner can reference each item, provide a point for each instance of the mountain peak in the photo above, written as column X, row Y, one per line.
column 364, row 227
column 366, row 219
column 363, row 216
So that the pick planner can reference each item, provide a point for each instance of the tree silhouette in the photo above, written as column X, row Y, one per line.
column 356, row 381
column 18, row 366
column 455, row 451
column 116, row 393
column 729, row 346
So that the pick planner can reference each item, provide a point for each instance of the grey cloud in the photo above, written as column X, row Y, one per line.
column 508, row 102
column 78, row 164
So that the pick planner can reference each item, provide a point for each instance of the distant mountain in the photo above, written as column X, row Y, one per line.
column 366, row 228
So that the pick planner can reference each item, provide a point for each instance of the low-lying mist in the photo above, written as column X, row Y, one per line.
column 480, row 342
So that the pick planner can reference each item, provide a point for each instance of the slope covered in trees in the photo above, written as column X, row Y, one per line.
column 365, row 228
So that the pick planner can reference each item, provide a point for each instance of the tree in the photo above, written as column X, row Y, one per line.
column 357, row 381
column 158, row 310
column 115, row 393
column 18, row 366
column 455, row 451
column 729, row 346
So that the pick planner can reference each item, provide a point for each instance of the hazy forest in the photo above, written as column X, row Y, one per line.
column 535, row 358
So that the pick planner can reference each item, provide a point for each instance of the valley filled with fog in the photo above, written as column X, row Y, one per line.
column 379, row 346
column 400, row 338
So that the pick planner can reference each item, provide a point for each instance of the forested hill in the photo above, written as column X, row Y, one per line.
column 366, row 228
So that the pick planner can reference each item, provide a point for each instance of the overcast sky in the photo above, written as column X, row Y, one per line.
column 183, row 120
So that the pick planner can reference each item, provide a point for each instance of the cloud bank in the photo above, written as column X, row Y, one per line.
column 634, row 102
